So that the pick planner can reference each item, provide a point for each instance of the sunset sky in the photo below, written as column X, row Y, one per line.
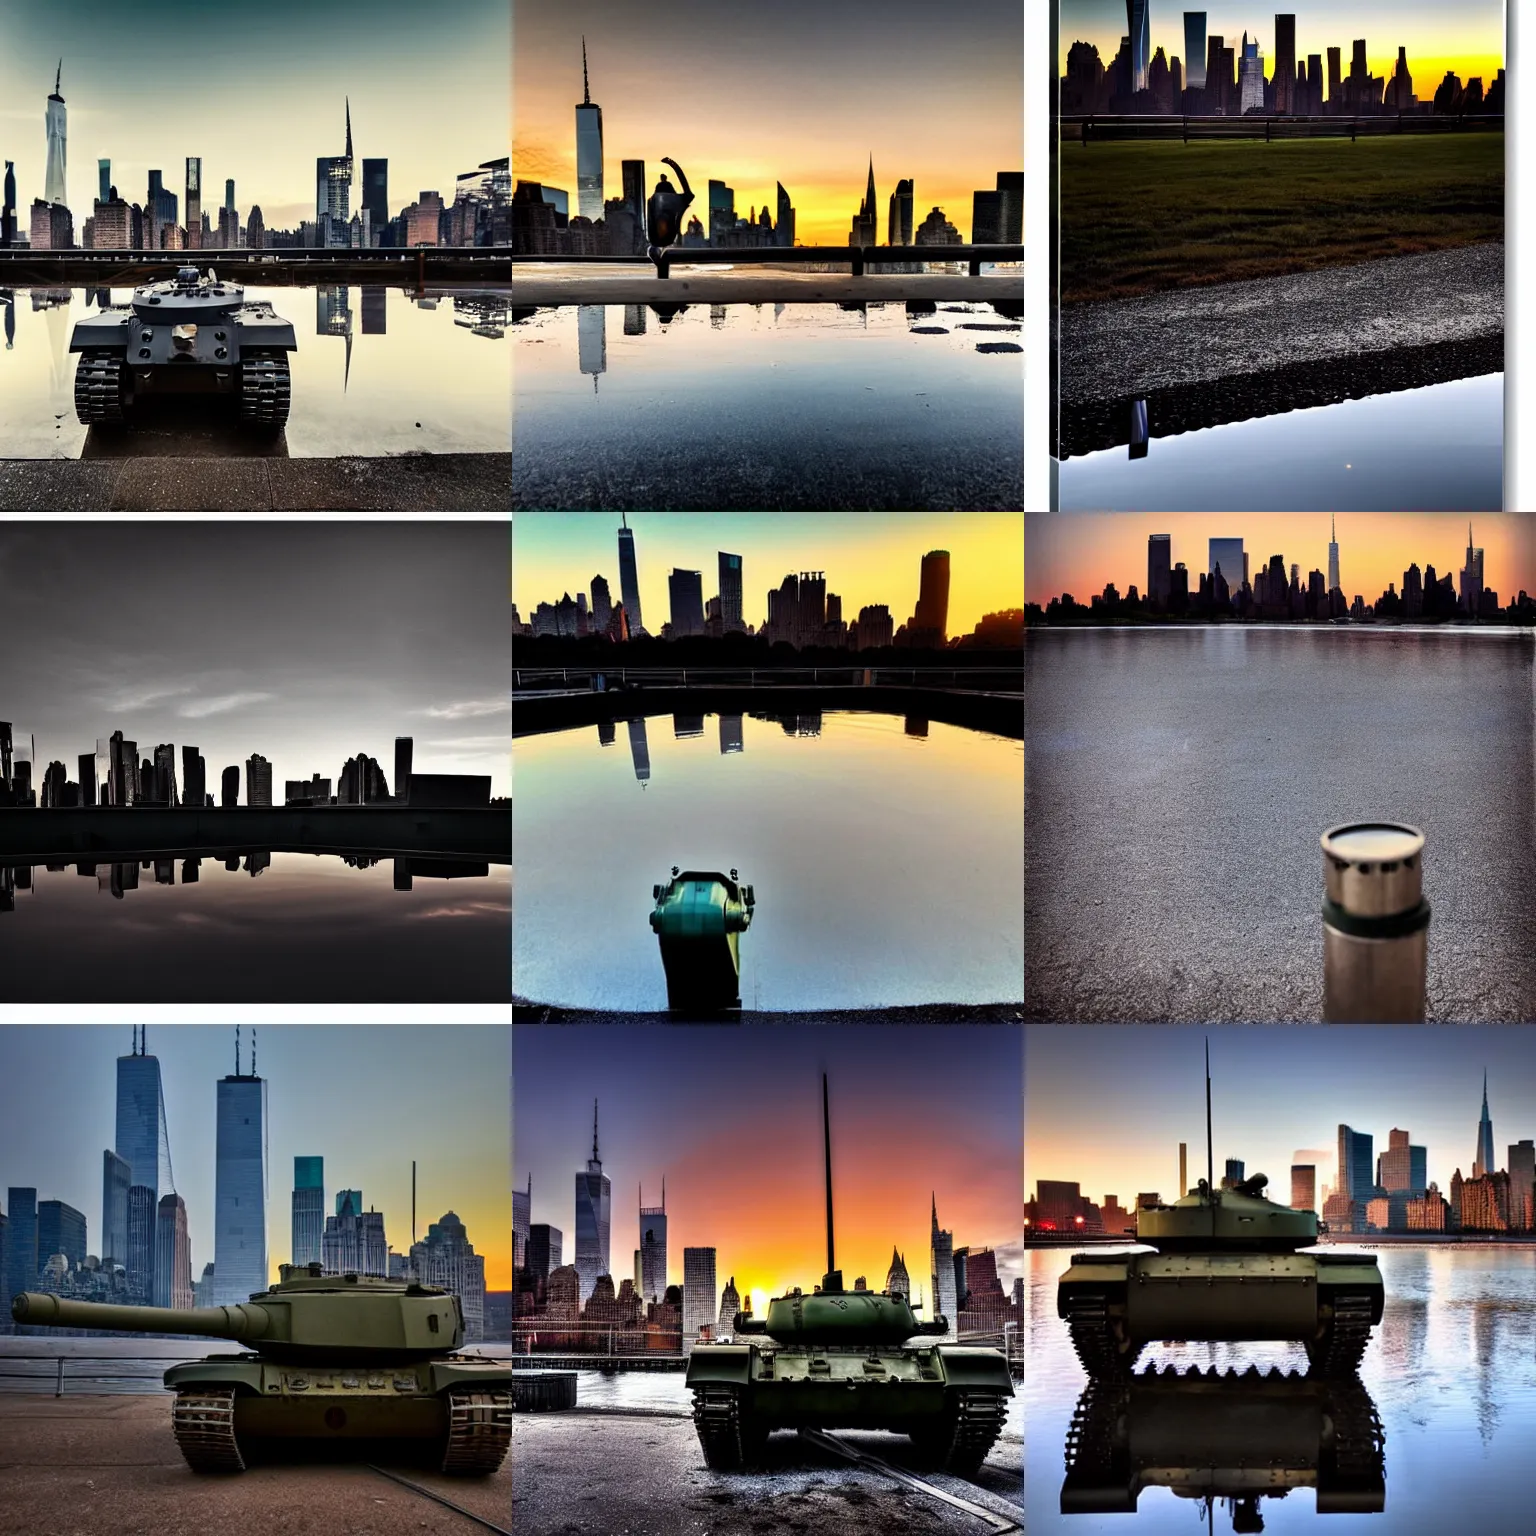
column 1466, row 36
column 868, row 557
column 366, row 1098
column 732, row 1118
column 1080, row 552
column 258, row 91
column 801, row 92
column 1107, row 1106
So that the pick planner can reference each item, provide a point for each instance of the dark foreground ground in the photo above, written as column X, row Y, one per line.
column 1178, row 783
column 415, row 482
column 110, row 1464
column 527, row 1012
column 613, row 1474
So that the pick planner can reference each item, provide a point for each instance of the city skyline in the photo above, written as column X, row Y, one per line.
column 387, row 51
column 376, row 630
column 960, row 124
column 750, row 1184
column 1467, row 38
column 868, row 559
column 339, row 1092
column 1146, row 1089
column 1081, row 552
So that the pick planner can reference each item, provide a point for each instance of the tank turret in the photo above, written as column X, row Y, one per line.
column 335, row 1357
column 841, row 1359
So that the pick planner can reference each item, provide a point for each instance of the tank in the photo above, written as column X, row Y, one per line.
column 336, row 1358
column 698, row 919
column 190, row 335
column 1227, row 1267
column 1241, row 1437
column 839, row 1359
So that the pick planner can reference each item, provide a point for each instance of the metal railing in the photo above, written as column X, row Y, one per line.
column 1094, row 127
column 151, row 1372
column 532, row 680
column 898, row 257
column 373, row 256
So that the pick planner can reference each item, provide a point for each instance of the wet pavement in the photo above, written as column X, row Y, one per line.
column 1179, row 780
column 545, row 283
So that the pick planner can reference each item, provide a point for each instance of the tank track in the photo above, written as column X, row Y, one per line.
column 718, row 1418
column 204, row 1425
column 99, row 388
column 1339, row 1352
column 973, row 1424
column 1090, row 1435
column 1359, row 1441
column 264, row 389
column 479, row 1431
column 1094, row 1340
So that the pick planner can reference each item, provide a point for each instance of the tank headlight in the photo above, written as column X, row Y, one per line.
column 183, row 337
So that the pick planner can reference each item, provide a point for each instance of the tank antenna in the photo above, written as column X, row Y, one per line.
column 1210, row 1163
column 413, row 1199
column 826, row 1131
column 253, row 1050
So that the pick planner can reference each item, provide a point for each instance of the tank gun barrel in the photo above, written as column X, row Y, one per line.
column 243, row 1322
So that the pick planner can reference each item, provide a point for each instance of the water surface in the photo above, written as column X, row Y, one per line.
column 1451, row 1369
column 1436, row 449
column 276, row 927
column 885, row 856
column 377, row 370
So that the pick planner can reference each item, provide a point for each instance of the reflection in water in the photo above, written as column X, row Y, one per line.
column 252, row 925
column 888, row 869
column 592, row 340
column 1237, row 1438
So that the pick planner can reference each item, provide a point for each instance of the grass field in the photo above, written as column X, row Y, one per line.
column 1142, row 218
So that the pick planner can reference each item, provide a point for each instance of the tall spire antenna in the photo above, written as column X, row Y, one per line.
column 826, row 1131
column 144, row 1051
column 586, row 95
column 349, row 128
column 253, row 1050
column 1210, row 1162
column 58, row 76
column 594, row 1131
column 663, row 1191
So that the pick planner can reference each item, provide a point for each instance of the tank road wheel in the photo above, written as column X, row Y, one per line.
column 959, row 1442
column 730, row 1436
column 204, row 1425
column 264, row 389
column 1100, row 1342
column 479, row 1431
column 1339, row 1351
column 100, row 387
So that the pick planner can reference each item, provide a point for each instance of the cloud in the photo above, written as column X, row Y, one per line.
column 465, row 709
column 469, row 909
column 138, row 698
column 200, row 708
column 469, row 743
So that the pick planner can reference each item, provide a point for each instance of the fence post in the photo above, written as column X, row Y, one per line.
column 1186, row 127
column 1267, row 122
column 58, row 1388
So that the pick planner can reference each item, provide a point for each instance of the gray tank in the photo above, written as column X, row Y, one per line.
column 191, row 335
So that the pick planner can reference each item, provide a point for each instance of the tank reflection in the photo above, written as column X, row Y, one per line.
column 1229, row 1437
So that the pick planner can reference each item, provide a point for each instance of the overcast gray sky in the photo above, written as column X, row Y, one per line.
column 306, row 642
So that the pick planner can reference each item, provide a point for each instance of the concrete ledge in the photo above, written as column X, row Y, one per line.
column 999, row 713
column 411, row 482
column 96, row 833
column 700, row 285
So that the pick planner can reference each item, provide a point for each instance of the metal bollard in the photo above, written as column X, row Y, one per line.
column 1375, row 924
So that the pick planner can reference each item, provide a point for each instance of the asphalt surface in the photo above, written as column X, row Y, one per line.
column 544, row 284
column 425, row 482
column 632, row 1474
column 84, row 1464
column 1176, row 786
column 1229, row 352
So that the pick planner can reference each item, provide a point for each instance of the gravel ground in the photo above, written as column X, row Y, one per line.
column 1131, row 347
column 1176, row 787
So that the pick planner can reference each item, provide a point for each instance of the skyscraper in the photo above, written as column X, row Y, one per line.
column 229, row 787
column 1250, row 77
column 258, row 791
column 730, row 593
column 353, row 1240
column 103, row 180
column 240, row 1185
column 194, row 778
column 8, row 208
column 165, row 774
column 1228, row 554
column 194, row 202
column 376, row 197
column 1194, row 50
column 1333, row 556
column 602, row 605
column 932, row 615
column 333, row 202
column 1522, row 1185
column 1285, row 64
column 901, row 213
column 866, row 224
column 1355, row 1165
column 629, row 582
column 653, row 1247
column 173, row 1255
column 21, row 1260
column 123, row 770
column 115, row 1179
column 686, row 589
column 594, row 1197
column 446, row 1257
column 404, row 747
column 589, row 150
column 700, row 1296
column 1159, row 567
column 785, row 233
column 730, row 1305
column 60, row 1229
column 308, row 1209
column 54, row 184
column 941, row 1252
column 1139, row 25
column 522, row 1211
column 1472, row 577
column 1484, row 1162
column 141, row 1138
column 897, row 1281
column 1304, row 1186
column 140, row 1261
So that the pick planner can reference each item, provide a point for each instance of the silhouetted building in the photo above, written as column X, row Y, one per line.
column 930, row 622
column 1194, row 50
column 258, row 785
column 1139, row 25
column 986, row 218
column 594, row 1197
column 731, row 621
column 362, row 781
column 310, row 791
column 937, row 230
column 194, row 788
column 784, row 234
column 404, row 745
column 229, row 787
column 173, row 1255
column 874, row 628
column 686, row 589
column 629, row 582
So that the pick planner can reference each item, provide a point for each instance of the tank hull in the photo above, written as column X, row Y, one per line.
column 698, row 921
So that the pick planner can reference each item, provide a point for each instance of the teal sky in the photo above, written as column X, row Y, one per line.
column 366, row 1098
column 257, row 89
